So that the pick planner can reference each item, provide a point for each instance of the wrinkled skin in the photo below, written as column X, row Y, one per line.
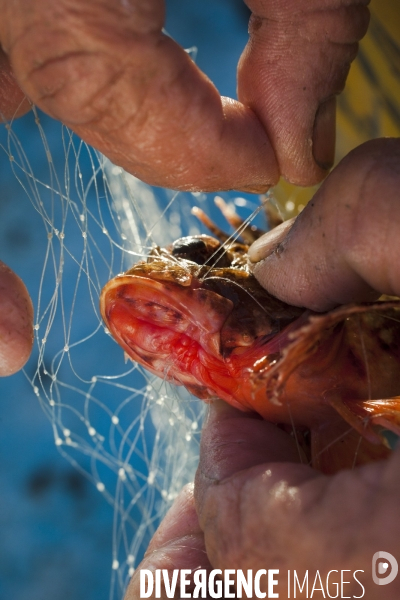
column 194, row 314
column 233, row 517
column 375, row 505
column 106, row 70
column 257, row 508
column 342, row 247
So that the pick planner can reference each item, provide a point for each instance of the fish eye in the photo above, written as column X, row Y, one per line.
column 199, row 249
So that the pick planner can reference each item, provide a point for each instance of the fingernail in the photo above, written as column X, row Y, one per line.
column 324, row 134
column 266, row 244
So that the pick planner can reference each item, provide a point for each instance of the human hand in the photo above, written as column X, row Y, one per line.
column 107, row 71
column 258, row 507
column 16, row 322
column 16, row 311
column 344, row 246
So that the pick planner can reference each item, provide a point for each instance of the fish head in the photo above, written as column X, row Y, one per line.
column 194, row 315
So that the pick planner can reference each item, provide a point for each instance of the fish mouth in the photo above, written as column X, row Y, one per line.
column 189, row 334
column 172, row 330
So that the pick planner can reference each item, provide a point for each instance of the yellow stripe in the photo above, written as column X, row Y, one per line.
column 370, row 105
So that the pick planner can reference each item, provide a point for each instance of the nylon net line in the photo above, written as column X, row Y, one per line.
column 135, row 437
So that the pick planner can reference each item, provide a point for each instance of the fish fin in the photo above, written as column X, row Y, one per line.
column 273, row 214
column 336, row 445
column 247, row 232
column 301, row 340
column 369, row 417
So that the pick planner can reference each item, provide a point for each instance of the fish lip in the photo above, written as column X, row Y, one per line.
column 186, row 300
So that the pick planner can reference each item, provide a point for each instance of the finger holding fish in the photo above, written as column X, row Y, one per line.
column 255, row 506
column 268, row 511
column 343, row 246
column 108, row 71
column 219, row 333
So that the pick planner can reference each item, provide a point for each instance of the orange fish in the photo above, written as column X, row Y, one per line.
column 194, row 314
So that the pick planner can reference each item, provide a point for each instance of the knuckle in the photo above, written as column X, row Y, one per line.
column 76, row 69
column 58, row 73
column 224, row 542
column 72, row 86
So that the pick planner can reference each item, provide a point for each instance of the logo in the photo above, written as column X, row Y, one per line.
column 381, row 561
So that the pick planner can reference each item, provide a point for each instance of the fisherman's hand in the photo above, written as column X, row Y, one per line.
column 345, row 245
column 106, row 70
column 16, row 311
column 259, row 508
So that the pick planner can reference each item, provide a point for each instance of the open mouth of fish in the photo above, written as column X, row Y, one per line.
column 188, row 334
column 195, row 316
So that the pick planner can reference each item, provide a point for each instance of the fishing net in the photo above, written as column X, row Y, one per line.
column 133, row 436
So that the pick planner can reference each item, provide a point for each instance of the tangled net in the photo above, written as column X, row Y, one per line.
column 134, row 437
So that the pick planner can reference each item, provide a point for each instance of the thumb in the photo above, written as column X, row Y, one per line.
column 233, row 441
column 295, row 63
column 343, row 247
column 16, row 319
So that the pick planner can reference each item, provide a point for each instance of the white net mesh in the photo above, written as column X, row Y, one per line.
column 136, row 438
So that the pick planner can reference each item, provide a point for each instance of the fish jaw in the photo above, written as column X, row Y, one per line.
column 175, row 332
column 170, row 329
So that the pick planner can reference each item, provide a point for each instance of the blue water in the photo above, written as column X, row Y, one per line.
column 55, row 528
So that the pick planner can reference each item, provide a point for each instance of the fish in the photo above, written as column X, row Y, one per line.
column 193, row 314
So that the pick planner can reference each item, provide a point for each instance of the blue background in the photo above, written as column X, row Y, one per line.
column 55, row 528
